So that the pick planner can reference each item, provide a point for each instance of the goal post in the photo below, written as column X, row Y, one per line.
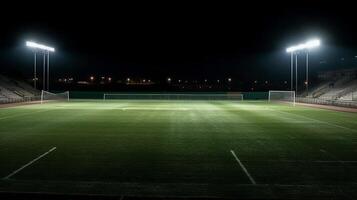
column 282, row 96
column 180, row 96
column 49, row 96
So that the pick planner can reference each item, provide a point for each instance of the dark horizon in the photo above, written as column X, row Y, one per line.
column 193, row 43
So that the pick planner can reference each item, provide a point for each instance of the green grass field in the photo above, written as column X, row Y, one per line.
column 250, row 149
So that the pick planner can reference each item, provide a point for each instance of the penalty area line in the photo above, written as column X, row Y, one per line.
column 243, row 168
column 29, row 163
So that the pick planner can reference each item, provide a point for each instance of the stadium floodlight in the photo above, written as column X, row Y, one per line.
column 310, row 44
column 39, row 46
column 46, row 53
column 307, row 45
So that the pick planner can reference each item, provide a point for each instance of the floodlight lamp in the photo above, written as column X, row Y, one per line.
column 308, row 45
column 39, row 46
column 312, row 44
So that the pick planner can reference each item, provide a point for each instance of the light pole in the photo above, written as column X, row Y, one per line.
column 34, row 72
column 307, row 73
column 45, row 50
column 292, row 71
column 296, row 73
column 48, row 71
column 44, row 73
column 296, row 49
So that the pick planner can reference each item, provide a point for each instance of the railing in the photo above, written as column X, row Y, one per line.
column 19, row 100
column 332, row 102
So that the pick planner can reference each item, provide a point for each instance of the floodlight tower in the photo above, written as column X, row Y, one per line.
column 305, row 47
column 309, row 45
column 45, row 50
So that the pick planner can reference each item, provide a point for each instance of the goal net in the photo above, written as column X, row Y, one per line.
column 49, row 96
column 282, row 96
column 206, row 97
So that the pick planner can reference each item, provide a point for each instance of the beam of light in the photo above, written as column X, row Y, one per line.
column 39, row 46
column 307, row 45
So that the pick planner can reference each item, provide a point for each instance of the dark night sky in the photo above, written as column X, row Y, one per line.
column 241, row 41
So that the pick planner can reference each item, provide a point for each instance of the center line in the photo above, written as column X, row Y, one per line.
column 244, row 169
column 28, row 164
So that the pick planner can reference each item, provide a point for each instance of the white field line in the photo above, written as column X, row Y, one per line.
column 309, row 161
column 23, row 114
column 316, row 120
column 136, row 184
column 243, row 168
column 29, row 163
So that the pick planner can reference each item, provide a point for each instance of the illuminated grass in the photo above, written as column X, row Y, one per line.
column 137, row 145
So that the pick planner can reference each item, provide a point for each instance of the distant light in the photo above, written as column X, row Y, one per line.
column 229, row 79
column 92, row 78
column 39, row 46
column 109, row 78
column 217, row 81
column 266, row 82
column 308, row 45
column 179, row 81
column 128, row 79
column 255, row 81
column 206, row 80
column 149, row 80
column 144, row 80
column 103, row 77
column 168, row 79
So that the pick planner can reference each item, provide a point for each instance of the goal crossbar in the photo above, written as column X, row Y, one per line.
column 282, row 96
column 49, row 96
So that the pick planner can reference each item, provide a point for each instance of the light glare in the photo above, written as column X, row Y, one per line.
column 39, row 46
column 308, row 45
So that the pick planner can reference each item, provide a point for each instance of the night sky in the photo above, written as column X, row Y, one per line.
column 182, row 41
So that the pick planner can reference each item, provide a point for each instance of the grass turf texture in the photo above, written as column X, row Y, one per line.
column 179, row 148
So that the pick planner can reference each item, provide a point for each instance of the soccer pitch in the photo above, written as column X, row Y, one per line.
column 249, row 149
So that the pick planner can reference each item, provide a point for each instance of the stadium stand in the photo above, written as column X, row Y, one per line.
column 335, row 84
column 338, row 88
column 12, row 90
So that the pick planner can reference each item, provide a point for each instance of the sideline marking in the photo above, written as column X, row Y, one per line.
column 244, row 169
column 28, row 164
